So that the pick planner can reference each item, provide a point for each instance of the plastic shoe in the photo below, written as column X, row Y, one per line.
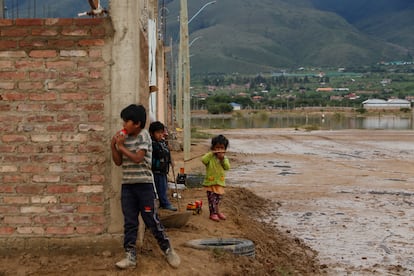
column 221, row 216
column 172, row 258
column 129, row 261
column 215, row 217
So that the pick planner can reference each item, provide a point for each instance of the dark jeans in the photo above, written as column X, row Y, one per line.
column 162, row 187
column 140, row 198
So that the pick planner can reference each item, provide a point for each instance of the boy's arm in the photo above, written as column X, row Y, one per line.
column 135, row 157
column 116, row 154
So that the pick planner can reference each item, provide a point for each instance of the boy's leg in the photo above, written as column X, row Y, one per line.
column 152, row 221
column 130, row 210
column 162, row 186
column 150, row 217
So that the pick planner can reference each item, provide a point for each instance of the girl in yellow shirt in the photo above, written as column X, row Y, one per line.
column 216, row 164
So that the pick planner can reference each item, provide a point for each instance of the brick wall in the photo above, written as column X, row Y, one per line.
column 54, row 163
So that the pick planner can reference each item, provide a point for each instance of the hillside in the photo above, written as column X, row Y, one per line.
column 252, row 36
column 247, row 36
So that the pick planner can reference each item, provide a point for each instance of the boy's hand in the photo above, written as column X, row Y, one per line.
column 118, row 139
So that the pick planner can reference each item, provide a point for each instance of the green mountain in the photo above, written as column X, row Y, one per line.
column 247, row 36
column 251, row 36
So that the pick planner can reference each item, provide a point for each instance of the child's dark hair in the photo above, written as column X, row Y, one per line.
column 220, row 139
column 135, row 113
column 155, row 126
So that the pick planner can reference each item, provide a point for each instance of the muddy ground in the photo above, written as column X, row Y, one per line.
column 313, row 203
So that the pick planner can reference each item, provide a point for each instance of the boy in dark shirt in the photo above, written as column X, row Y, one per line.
column 161, row 160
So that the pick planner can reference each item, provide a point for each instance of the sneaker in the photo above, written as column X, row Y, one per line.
column 214, row 217
column 171, row 208
column 172, row 258
column 129, row 261
column 221, row 216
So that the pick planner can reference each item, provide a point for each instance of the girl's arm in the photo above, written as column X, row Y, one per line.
column 207, row 157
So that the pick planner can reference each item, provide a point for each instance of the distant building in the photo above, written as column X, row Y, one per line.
column 383, row 104
column 236, row 106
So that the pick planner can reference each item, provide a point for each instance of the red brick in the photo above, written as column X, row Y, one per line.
column 75, row 178
column 44, row 75
column 7, row 148
column 58, row 21
column 61, row 209
column 15, row 75
column 98, row 178
column 8, row 44
column 51, row 219
column 14, row 32
column 13, row 138
column 17, row 220
column 77, row 32
column 88, row 21
column 15, row 199
column 43, row 53
column 98, row 31
column 9, row 209
column 29, row 22
column 61, row 85
column 6, row 86
column 41, row 119
column 46, row 178
column 60, row 189
column 92, row 107
column 44, row 32
column 92, row 42
column 95, row 53
column 68, row 118
column 61, row 128
column 76, row 159
column 7, row 230
column 60, row 65
column 32, row 168
column 74, row 96
column 13, row 179
column 29, row 149
column 60, row 230
column 97, row 219
column 28, row 64
column 97, row 198
column 32, row 43
column 30, row 85
column 6, row 22
column 6, row 189
column 90, row 209
column 98, row 117
column 12, row 54
column 61, row 43
column 97, row 95
column 51, row 96
column 13, row 96
column 29, row 107
column 6, row 64
column 73, row 199
column 89, row 229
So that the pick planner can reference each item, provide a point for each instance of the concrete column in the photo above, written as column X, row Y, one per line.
column 125, row 84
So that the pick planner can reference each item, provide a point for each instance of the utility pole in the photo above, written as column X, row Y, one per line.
column 185, row 65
